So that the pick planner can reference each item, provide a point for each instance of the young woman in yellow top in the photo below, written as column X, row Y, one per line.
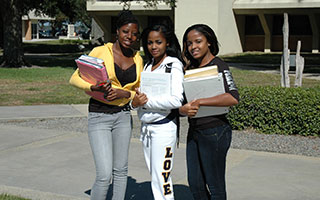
column 109, row 124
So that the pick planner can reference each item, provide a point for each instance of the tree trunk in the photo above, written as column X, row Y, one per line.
column 13, row 56
column 1, row 33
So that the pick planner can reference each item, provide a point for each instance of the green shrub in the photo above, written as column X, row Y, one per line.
column 276, row 110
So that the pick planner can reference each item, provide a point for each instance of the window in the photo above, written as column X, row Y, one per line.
column 34, row 31
column 253, row 25
column 298, row 25
column 159, row 20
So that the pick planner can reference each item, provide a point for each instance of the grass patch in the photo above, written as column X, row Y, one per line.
column 251, row 78
column 49, row 83
column 34, row 86
column 11, row 197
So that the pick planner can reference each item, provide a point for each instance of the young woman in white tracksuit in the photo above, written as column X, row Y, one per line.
column 159, row 123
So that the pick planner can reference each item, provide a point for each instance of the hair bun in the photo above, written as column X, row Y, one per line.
column 125, row 13
column 126, row 17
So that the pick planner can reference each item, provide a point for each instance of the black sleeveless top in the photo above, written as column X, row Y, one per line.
column 125, row 76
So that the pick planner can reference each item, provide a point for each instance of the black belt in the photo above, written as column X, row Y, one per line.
column 99, row 107
column 172, row 115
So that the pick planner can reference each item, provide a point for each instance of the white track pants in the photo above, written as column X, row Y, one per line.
column 158, row 143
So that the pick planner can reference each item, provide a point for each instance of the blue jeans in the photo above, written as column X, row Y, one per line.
column 206, row 161
column 109, row 136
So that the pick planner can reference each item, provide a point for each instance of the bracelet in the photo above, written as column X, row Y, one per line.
column 131, row 106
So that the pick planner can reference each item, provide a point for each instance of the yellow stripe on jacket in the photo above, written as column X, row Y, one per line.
column 105, row 53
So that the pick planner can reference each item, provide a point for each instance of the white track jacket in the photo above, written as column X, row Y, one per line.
column 158, row 108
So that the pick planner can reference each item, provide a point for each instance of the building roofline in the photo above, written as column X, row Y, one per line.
column 275, row 4
column 116, row 6
column 32, row 15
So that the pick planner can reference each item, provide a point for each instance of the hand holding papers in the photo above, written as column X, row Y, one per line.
column 93, row 71
column 203, row 83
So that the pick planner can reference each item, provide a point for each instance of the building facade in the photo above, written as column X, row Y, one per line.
column 30, row 27
column 240, row 25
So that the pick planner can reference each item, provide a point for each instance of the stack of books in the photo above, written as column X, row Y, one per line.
column 203, row 83
column 200, row 73
column 93, row 71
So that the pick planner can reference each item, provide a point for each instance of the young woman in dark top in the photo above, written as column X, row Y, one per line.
column 109, row 123
column 209, row 137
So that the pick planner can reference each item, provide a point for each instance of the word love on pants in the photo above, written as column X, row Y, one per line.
column 167, row 170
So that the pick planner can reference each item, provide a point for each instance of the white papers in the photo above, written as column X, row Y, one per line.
column 205, row 87
column 155, row 84
column 93, row 61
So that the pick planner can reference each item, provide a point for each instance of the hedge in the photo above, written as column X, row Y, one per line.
column 276, row 110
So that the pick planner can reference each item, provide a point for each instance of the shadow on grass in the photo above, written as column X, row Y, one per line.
column 45, row 60
column 138, row 191
column 270, row 61
column 65, row 60
column 54, row 53
column 63, row 55
column 56, row 47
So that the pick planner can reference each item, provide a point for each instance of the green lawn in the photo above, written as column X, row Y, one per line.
column 49, row 85
column 31, row 86
column 253, row 78
column 48, row 81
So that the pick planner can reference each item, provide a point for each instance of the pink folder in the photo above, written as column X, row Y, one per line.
column 92, row 72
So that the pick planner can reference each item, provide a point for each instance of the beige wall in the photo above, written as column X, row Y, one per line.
column 226, row 17
column 228, row 34
column 215, row 13
column 28, row 30
column 102, row 11
column 189, row 12
column 275, row 4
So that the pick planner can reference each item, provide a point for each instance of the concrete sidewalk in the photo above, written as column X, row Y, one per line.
column 53, row 164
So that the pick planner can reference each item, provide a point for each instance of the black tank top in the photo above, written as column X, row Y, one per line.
column 125, row 76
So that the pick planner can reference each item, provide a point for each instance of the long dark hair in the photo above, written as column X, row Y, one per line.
column 173, row 49
column 211, row 38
